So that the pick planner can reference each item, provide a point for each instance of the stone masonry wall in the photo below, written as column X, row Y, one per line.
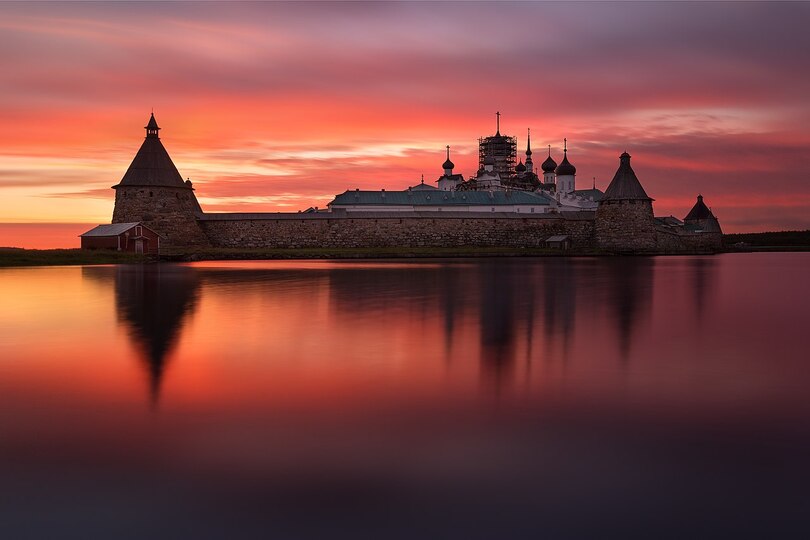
column 688, row 242
column 395, row 231
column 169, row 211
column 626, row 226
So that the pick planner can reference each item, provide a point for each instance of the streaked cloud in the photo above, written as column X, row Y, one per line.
column 279, row 106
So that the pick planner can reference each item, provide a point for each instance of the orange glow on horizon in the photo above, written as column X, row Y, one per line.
column 281, row 107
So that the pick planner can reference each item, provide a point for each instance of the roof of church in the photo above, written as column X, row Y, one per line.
column 592, row 192
column 440, row 198
column 699, row 211
column 424, row 187
column 549, row 164
column 152, row 165
column 625, row 185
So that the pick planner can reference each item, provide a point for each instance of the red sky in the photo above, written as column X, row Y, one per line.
column 270, row 107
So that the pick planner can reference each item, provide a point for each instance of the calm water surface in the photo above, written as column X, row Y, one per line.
column 545, row 398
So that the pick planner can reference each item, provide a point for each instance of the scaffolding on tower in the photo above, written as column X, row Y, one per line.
column 503, row 150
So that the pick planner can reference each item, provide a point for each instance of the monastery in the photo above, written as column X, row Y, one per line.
column 504, row 204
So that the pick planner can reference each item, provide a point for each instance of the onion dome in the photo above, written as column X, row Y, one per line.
column 520, row 167
column 565, row 168
column 549, row 164
column 448, row 164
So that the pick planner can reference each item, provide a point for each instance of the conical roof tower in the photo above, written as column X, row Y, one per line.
column 625, row 185
column 701, row 217
column 153, row 192
column 624, row 218
column 152, row 165
column 699, row 211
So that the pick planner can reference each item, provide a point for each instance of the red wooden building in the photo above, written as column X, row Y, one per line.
column 133, row 237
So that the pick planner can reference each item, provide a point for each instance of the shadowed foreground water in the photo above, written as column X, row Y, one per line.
column 546, row 398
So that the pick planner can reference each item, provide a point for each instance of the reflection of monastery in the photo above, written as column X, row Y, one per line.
column 504, row 204
column 531, row 317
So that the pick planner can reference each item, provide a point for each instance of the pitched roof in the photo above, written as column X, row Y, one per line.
column 113, row 229
column 699, row 211
column 424, row 187
column 152, row 165
column 625, row 185
column 591, row 192
column 438, row 198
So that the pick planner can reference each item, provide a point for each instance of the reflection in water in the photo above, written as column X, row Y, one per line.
column 357, row 397
column 702, row 272
column 497, row 284
column 630, row 287
column 560, row 301
column 152, row 303
column 153, row 300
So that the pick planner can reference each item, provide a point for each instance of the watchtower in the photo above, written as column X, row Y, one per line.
column 153, row 192
column 624, row 218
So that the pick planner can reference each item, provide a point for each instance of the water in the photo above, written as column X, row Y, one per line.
column 555, row 398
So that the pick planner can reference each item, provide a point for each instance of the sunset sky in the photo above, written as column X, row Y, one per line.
column 278, row 107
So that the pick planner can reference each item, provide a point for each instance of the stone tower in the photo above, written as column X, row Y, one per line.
column 152, row 191
column 624, row 218
column 702, row 219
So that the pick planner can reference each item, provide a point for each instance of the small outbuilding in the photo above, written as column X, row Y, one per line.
column 560, row 241
column 132, row 237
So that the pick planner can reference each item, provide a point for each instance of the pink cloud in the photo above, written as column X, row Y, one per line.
column 249, row 94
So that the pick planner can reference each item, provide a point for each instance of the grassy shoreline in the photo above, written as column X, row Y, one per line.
column 785, row 241
column 16, row 257
column 11, row 257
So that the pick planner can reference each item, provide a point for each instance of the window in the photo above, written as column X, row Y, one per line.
column 138, row 230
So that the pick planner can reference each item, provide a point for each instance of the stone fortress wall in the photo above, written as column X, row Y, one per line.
column 153, row 192
column 387, row 230
column 612, row 231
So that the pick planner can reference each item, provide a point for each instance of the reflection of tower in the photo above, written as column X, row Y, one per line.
column 559, row 299
column 702, row 271
column 630, row 296
column 498, row 283
column 152, row 301
column 451, row 301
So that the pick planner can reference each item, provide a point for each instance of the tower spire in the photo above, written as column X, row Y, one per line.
column 152, row 127
column 529, row 142
column 498, row 123
column 448, row 152
column 565, row 145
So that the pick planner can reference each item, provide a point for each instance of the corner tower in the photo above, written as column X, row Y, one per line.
column 152, row 191
column 624, row 218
